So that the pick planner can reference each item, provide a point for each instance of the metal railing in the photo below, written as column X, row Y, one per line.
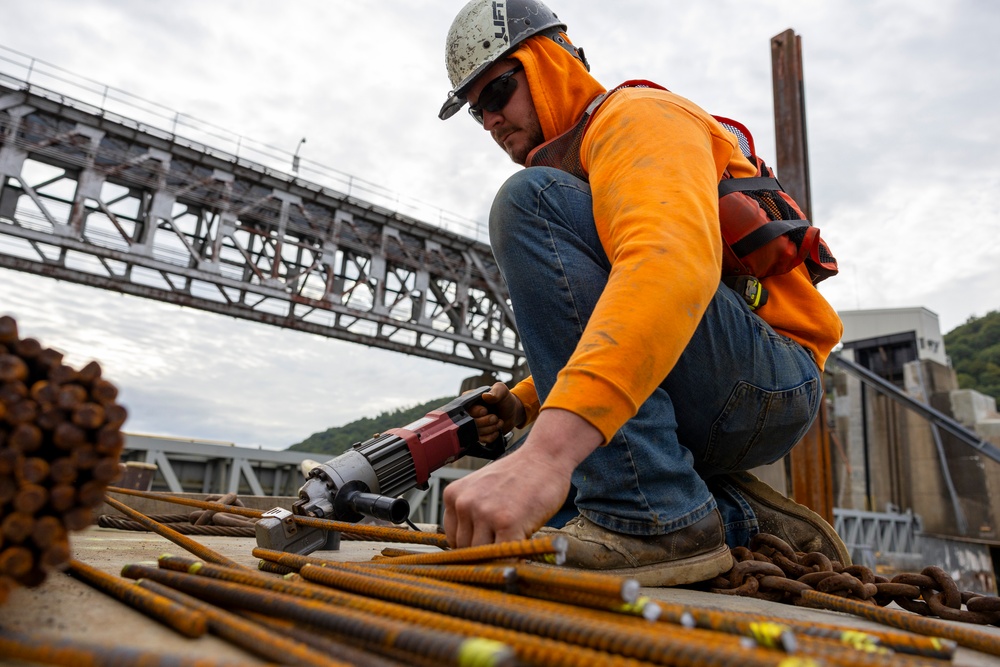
column 870, row 536
column 20, row 70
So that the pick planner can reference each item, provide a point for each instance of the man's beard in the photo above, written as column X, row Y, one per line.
column 522, row 149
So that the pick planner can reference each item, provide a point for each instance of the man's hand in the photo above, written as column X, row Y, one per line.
column 505, row 411
column 514, row 496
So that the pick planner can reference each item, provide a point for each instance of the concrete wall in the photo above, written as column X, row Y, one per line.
column 913, row 466
column 969, row 564
column 848, row 459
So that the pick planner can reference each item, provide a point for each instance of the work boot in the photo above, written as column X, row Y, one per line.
column 685, row 556
column 796, row 524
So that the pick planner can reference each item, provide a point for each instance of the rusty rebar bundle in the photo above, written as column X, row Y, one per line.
column 60, row 444
column 427, row 614
column 530, row 648
column 387, row 636
column 836, row 645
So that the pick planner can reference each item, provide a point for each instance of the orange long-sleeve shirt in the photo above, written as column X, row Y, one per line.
column 654, row 161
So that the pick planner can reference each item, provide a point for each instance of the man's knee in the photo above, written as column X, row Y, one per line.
column 538, row 193
column 526, row 184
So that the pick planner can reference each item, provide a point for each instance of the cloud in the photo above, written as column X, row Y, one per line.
column 191, row 374
column 901, row 102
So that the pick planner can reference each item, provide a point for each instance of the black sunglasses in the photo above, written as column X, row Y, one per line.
column 495, row 95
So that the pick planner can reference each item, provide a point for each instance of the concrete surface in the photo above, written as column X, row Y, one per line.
column 68, row 608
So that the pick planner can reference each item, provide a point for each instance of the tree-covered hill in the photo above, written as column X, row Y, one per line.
column 339, row 439
column 974, row 348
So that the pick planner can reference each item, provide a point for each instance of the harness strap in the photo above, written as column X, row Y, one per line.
column 731, row 185
column 764, row 234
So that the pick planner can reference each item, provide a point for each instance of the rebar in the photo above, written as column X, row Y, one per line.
column 373, row 633
column 548, row 546
column 610, row 637
column 378, row 533
column 530, row 648
column 50, row 649
column 51, row 417
column 634, row 620
column 597, row 583
column 577, row 587
column 182, row 541
column 642, row 607
column 769, row 631
column 243, row 633
column 503, row 577
column 932, row 627
column 183, row 619
column 320, row 641
column 274, row 568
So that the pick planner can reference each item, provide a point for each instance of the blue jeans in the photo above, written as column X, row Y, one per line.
column 740, row 396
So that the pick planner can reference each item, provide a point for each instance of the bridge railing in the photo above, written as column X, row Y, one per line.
column 22, row 71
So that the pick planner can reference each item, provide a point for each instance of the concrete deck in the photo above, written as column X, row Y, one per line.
column 69, row 608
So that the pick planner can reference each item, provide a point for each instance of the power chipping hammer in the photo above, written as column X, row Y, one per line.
column 368, row 479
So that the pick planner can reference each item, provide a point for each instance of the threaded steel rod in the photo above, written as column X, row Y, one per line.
column 661, row 648
column 932, row 627
column 365, row 629
column 184, row 620
column 378, row 533
column 643, row 606
column 320, row 641
column 635, row 620
column 495, row 576
column 52, row 650
column 596, row 583
column 762, row 629
column 549, row 545
column 530, row 648
column 243, row 633
column 186, row 543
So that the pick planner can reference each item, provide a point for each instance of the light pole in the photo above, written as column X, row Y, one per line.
column 295, row 157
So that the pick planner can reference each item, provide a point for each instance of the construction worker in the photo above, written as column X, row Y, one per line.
column 654, row 385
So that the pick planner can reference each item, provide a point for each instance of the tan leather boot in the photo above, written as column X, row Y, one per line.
column 796, row 524
column 685, row 556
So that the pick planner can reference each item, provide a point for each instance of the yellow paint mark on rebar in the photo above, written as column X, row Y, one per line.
column 768, row 634
column 643, row 606
column 142, row 562
column 479, row 652
column 862, row 641
column 798, row 662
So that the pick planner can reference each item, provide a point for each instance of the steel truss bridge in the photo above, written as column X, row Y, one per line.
column 95, row 198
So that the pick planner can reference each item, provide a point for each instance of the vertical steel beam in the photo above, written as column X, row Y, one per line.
column 790, row 118
column 812, row 478
column 809, row 460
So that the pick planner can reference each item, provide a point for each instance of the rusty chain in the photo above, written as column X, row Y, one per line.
column 200, row 522
column 771, row 570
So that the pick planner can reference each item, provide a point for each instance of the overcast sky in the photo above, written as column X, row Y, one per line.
column 902, row 112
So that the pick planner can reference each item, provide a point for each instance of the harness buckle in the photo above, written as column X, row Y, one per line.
column 751, row 290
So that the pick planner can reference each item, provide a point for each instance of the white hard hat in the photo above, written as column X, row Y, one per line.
column 486, row 31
